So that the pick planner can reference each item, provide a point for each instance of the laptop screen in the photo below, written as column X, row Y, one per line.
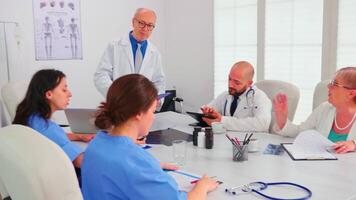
column 81, row 120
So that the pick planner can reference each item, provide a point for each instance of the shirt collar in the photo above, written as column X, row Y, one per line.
column 134, row 41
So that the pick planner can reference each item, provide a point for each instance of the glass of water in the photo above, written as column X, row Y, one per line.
column 179, row 151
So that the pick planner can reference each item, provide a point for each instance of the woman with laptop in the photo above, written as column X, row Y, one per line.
column 335, row 118
column 113, row 165
column 47, row 93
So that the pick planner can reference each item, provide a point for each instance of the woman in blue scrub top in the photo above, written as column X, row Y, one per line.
column 114, row 167
column 47, row 93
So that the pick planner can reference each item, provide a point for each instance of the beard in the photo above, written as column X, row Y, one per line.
column 235, row 92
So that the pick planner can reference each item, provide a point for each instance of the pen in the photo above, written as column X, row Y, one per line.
column 195, row 181
column 237, row 140
column 231, row 140
column 244, row 139
column 248, row 139
column 183, row 173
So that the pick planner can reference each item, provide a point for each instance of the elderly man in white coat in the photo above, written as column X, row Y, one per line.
column 133, row 53
column 244, row 107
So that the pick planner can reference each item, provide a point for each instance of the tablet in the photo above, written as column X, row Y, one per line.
column 199, row 118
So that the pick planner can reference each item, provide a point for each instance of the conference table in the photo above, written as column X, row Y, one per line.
column 327, row 179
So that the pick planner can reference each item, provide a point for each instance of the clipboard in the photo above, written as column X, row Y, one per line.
column 310, row 158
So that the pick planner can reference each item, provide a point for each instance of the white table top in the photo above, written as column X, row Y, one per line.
column 330, row 179
column 333, row 179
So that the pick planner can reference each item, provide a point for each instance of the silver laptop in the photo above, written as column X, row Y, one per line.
column 81, row 120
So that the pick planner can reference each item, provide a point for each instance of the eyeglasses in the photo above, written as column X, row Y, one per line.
column 143, row 24
column 335, row 84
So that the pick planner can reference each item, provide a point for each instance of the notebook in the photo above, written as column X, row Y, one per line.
column 81, row 120
column 310, row 145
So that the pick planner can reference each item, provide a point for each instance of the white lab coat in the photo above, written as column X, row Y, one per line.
column 118, row 60
column 321, row 120
column 254, row 118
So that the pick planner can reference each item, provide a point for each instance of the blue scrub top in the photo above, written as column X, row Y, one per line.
column 54, row 132
column 114, row 167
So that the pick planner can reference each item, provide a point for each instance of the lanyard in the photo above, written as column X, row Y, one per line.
column 257, row 187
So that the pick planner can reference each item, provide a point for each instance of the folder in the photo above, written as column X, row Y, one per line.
column 310, row 145
column 297, row 156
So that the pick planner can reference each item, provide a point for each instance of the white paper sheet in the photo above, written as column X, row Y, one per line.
column 311, row 144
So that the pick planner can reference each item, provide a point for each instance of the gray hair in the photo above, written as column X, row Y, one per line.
column 140, row 10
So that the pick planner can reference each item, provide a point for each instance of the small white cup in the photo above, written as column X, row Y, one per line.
column 179, row 151
column 218, row 127
column 253, row 145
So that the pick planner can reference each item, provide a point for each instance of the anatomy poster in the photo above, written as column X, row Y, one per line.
column 57, row 29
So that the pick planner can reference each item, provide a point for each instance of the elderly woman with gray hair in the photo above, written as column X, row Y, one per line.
column 334, row 118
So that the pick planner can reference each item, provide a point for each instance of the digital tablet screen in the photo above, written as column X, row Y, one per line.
column 199, row 118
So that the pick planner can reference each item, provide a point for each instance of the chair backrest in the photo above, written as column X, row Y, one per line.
column 273, row 87
column 12, row 94
column 34, row 168
column 320, row 93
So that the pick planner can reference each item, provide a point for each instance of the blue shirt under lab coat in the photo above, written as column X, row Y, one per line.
column 54, row 132
column 134, row 42
column 114, row 167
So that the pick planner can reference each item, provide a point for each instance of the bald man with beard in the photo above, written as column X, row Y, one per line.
column 243, row 107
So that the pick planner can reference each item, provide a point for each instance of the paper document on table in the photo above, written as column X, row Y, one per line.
column 310, row 145
column 165, row 120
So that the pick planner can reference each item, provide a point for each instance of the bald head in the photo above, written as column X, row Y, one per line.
column 240, row 77
column 243, row 70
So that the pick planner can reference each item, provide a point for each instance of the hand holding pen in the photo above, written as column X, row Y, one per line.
column 206, row 184
column 195, row 181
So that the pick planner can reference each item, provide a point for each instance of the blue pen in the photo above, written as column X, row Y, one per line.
column 184, row 173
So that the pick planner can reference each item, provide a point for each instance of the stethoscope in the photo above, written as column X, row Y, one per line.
column 250, row 100
column 256, row 187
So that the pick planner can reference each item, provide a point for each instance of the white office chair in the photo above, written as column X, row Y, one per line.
column 320, row 93
column 273, row 87
column 12, row 94
column 34, row 168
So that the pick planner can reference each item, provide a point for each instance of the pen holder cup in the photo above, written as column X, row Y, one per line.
column 239, row 153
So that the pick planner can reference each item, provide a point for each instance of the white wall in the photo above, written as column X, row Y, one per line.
column 190, row 50
column 101, row 22
column 184, row 35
